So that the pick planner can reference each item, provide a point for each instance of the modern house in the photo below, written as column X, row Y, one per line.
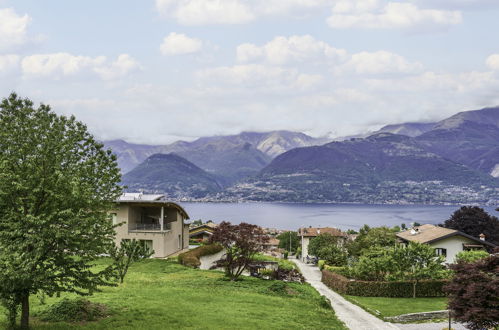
column 156, row 222
column 306, row 234
column 446, row 242
column 202, row 232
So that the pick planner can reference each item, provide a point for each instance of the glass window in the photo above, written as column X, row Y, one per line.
column 441, row 252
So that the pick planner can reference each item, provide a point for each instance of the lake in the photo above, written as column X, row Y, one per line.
column 343, row 216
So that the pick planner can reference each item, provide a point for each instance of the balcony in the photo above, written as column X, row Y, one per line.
column 149, row 226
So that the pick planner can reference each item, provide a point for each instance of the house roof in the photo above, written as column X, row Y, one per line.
column 272, row 241
column 431, row 233
column 204, row 228
column 141, row 199
column 313, row 232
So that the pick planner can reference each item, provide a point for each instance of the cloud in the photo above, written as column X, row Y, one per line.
column 179, row 44
column 372, row 14
column 13, row 29
column 8, row 62
column 258, row 76
column 282, row 50
column 493, row 62
column 380, row 62
column 59, row 65
column 201, row 12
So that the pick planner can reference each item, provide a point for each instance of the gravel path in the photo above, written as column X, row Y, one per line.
column 352, row 315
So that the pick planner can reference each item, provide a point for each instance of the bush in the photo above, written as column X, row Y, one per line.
column 471, row 256
column 321, row 264
column 191, row 258
column 78, row 310
column 402, row 289
column 286, row 255
column 344, row 271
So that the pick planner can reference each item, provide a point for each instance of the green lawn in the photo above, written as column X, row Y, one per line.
column 161, row 294
column 383, row 307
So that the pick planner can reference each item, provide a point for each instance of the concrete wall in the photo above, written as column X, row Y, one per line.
column 454, row 245
column 164, row 242
column 304, row 247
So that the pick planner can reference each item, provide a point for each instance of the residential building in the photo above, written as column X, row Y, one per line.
column 306, row 234
column 202, row 232
column 157, row 223
column 446, row 242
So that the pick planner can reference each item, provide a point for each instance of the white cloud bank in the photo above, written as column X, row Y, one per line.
column 59, row 65
column 374, row 14
column 493, row 62
column 13, row 29
column 180, row 44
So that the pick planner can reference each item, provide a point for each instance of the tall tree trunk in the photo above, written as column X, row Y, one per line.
column 414, row 289
column 25, row 311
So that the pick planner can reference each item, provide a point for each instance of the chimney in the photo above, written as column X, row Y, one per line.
column 482, row 237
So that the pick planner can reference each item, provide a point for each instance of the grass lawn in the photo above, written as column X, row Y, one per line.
column 161, row 294
column 383, row 307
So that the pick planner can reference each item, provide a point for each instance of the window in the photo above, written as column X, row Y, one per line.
column 147, row 244
column 441, row 252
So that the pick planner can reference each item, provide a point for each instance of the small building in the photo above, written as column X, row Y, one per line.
column 271, row 245
column 446, row 242
column 202, row 232
column 306, row 234
column 157, row 223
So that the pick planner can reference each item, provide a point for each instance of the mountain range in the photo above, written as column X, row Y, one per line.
column 455, row 160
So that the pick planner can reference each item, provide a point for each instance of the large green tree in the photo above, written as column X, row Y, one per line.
column 289, row 241
column 328, row 247
column 474, row 221
column 369, row 238
column 57, row 184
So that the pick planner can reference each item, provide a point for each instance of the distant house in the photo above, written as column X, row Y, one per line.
column 152, row 220
column 271, row 245
column 446, row 242
column 202, row 232
column 306, row 234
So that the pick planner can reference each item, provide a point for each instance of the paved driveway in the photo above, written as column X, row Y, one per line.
column 352, row 315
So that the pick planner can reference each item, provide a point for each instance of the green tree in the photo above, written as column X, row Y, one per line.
column 474, row 221
column 416, row 262
column 284, row 241
column 57, row 185
column 128, row 252
column 471, row 256
column 369, row 238
column 327, row 247
column 374, row 265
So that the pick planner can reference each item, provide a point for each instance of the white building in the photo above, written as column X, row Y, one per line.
column 446, row 242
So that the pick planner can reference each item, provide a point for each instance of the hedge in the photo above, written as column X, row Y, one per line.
column 191, row 257
column 400, row 289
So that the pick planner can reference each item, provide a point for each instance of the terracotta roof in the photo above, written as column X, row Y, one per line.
column 272, row 241
column 430, row 233
column 312, row 232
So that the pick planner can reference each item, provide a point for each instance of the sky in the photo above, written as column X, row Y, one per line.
column 158, row 71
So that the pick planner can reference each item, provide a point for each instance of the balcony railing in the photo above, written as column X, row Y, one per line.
column 148, row 226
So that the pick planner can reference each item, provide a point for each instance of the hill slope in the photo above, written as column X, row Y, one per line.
column 172, row 175
column 383, row 168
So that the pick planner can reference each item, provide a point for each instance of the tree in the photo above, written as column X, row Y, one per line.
column 128, row 252
column 241, row 243
column 473, row 292
column 369, row 238
column 473, row 220
column 417, row 262
column 284, row 241
column 374, row 265
column 57, row 185
column 471, row 256
column 326, row 247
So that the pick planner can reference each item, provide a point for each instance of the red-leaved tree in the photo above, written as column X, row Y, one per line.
column 474, row 291
column 241, row 243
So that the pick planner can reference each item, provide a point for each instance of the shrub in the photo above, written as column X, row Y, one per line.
column 286, row 255
column 321, row 264
column 471, row 256
column 344, row 271
column 78, row 310
column 402, row 289
column 191, row 258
